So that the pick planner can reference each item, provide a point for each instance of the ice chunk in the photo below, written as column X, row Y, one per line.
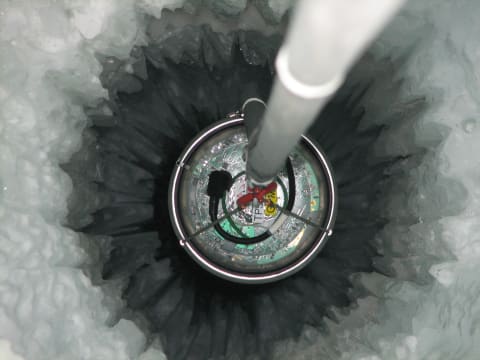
column 227, row 7
column 273, row 10
column 155, row 8
column 89, row 17
column 154, row 352
column 136, row 339
column 6, row 352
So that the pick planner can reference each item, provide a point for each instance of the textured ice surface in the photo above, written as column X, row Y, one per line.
column 49, row 70
column 49, row 308
column 430, row 216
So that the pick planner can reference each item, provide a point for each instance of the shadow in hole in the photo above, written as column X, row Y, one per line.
column 200, row 316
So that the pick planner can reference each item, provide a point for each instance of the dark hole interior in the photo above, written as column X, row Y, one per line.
column 157, row 108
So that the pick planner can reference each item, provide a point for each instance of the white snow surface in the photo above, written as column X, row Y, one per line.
column 401, row 318
column 49, row 308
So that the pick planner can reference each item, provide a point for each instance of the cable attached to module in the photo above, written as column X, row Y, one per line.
column 219, row 183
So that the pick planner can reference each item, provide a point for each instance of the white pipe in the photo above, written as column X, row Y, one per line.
column 323, row 41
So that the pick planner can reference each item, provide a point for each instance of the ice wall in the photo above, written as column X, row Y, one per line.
column 49, row 308
column 431, row 215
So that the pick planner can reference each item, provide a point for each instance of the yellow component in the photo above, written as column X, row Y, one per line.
column 271, row 210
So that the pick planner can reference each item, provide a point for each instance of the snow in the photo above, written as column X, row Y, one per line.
column 440, row 195
column 50, row 308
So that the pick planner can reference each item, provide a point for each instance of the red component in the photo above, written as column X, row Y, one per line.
column 256, row 193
